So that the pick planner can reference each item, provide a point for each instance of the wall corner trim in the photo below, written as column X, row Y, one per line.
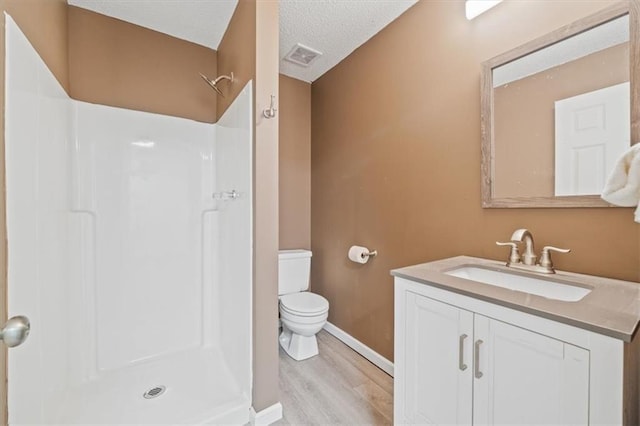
column 374, row 357
column 265, row 417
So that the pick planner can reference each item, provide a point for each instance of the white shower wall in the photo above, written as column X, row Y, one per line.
column 144, row 186
column 132, row 265
column 234, row 172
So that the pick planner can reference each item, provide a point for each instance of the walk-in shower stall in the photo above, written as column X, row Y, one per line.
column 129, row 249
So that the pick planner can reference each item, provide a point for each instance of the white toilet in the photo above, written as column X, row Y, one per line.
column 303, row 314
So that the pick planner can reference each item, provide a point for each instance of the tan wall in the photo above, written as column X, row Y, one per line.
column 295, row 163
column 112, row 62
column 266, row 378
column 396, row 162
column 45, row 24
column 237, row 53
column 524, row 125
column 250, row 49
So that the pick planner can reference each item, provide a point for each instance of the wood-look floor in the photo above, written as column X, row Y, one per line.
column 336, row 387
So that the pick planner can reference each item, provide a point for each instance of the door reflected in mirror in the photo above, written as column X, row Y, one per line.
column 591, row 132
column 557, row 114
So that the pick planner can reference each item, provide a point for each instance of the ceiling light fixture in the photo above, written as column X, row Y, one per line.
column 474, row 8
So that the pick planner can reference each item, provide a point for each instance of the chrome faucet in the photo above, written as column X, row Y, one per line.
column 520, row 235
column 528, row 260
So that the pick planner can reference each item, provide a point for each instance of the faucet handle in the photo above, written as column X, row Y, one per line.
column 545, row 257
column 514, row 255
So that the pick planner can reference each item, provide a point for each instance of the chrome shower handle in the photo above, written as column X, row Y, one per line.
column 227, row 195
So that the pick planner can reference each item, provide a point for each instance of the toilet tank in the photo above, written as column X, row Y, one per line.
column 294, row 267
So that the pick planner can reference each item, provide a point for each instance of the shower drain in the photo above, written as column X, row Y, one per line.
column 154, row 392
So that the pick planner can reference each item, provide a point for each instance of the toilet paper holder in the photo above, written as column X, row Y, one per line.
column 372, row 253
column 360, row 254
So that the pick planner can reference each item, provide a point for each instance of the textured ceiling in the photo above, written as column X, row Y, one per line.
column 334, row 27
column 199, row 21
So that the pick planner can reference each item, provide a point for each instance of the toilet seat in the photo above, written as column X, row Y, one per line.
column 304, row 304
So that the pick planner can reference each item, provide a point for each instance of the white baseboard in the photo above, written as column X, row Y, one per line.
column 267, row 416
column 364, row 350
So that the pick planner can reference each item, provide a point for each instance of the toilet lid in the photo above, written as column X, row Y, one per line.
column 304, row 302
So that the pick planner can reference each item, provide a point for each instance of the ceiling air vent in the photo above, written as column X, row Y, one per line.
column 302, row 55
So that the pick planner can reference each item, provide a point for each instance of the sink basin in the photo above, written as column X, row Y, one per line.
column 539, row 287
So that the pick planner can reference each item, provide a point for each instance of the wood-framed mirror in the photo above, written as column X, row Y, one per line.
column 558, row 112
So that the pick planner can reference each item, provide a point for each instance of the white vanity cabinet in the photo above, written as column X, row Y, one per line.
column 522, row 377
column 462, row 361
column 436, row 374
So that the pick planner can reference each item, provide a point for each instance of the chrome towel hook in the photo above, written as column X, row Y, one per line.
column 271, row 111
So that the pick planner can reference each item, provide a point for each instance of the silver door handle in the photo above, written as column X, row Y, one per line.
column 15, row 331
column 461, row 365
column 477, row 373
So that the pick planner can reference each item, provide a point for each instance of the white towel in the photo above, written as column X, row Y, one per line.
column 623, row 186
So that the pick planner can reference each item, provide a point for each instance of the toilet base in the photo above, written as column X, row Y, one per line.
column 297, row 346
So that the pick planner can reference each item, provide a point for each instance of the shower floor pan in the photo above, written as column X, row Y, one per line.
column 198, row 389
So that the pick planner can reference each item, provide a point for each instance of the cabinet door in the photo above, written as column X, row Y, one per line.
column 522, row 377
column 437, row 377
